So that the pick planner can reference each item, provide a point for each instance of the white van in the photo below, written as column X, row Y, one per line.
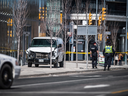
column 40, row 49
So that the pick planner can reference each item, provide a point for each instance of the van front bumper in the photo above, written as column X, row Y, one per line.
column 42, row 61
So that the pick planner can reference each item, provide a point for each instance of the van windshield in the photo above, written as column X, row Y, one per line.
column 43, row 43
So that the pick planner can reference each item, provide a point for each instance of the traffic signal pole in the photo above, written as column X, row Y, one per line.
column 96, row 19
column 104, row 29
column 126, row 33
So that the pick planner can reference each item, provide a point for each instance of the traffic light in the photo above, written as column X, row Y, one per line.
column 99, row 22
column 61, row 18
column 103, row 13
column 39, row 16
column 100, row 37
column 11, row 33
column 9, row 22
column 90, row 19
column 127, row 35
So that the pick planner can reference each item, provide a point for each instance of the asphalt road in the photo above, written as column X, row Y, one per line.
column 102, row 83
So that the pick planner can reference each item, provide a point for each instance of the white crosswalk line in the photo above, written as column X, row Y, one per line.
column 96, row 86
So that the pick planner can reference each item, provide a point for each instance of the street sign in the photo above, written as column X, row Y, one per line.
column 82, row 30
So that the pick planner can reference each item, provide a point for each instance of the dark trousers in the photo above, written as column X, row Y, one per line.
column 94, row 62
column 120, row 62
column 108, row 60
column 116, row 62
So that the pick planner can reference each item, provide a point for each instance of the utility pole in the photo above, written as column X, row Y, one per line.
column 72, row 30
column 126, row 33
column 104, row 30
column 96, row 19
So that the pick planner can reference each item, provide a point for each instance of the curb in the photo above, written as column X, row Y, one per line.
column 68, row 72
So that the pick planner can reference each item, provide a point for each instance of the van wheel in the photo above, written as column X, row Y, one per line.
column 61, row 64
column 36, row 65
column 29, row 64
column 6, row 77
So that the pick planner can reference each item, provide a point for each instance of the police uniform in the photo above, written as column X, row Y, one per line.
column 108, row 53
column 93, row 51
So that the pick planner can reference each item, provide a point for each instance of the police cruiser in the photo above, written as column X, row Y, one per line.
column 9, row 70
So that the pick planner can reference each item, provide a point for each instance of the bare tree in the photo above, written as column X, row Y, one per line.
column 78, row 7
column 88, row 37
column 50, row 25
column 66, row 10
column 20, row 15
column 43, row 27
column 114, row 30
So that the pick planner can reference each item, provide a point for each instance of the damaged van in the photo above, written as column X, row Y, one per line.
column 40, row 49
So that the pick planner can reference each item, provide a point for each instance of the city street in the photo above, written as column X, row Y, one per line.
column 62, row 47
column 100, row 83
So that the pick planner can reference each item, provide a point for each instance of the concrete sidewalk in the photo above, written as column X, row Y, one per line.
column 45, row 70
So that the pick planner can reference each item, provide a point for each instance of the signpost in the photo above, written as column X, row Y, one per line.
column 23, row 57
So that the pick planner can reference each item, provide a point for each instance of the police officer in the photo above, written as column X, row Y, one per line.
column 93, row 54
column 108, row 52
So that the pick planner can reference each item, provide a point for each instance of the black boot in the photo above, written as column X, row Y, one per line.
column 104, row 68
column 92, row 66
column 95, row 66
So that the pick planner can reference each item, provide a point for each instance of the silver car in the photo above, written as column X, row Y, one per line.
column 9, row 70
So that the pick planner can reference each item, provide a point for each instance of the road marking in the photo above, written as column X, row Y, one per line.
column 96, row 86
column 55, row 92
column 86, row 76
column 58, row 82
column 119, row 91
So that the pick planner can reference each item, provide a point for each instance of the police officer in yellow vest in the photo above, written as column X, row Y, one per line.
column 108, row 52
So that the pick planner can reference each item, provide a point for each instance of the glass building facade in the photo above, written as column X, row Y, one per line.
column 8, row 44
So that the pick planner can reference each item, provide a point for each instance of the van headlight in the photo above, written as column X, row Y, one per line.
column 32, row 55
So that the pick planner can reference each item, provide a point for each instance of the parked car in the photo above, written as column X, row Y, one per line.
column 9, row 70
column 40, row 49
column 101, row 58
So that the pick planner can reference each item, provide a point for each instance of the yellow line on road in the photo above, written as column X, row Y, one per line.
column 120, row 91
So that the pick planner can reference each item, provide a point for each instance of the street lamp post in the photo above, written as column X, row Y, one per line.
column 72, row 30
column 126, row 33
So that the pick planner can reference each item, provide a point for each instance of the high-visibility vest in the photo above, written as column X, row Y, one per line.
column 108, row 49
